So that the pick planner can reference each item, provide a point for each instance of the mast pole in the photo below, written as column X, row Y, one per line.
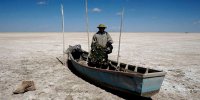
column 87, row 23
column 63, row 27
column 121, row 26
column 62, row 13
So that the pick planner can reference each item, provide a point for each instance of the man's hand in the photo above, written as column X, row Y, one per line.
column 109, row 47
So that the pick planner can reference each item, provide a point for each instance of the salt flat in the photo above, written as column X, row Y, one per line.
column 32, row 56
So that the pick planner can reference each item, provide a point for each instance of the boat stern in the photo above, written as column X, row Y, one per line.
column 152, row 85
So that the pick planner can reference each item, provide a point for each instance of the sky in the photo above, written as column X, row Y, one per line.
column 139, row 15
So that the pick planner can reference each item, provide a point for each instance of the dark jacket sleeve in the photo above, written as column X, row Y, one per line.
column 94, row 41
column 109, row 38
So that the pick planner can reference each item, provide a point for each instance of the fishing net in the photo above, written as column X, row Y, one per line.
column 98, row 56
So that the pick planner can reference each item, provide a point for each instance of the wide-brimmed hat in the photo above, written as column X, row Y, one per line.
column 102, row 26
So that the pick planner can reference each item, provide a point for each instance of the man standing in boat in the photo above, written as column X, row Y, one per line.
column 100, row 48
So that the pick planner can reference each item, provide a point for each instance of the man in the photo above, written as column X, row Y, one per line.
column 100, row 48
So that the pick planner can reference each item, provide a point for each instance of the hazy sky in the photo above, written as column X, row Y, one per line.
column 140, row 15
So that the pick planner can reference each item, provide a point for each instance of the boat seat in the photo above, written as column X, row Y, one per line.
column 126, row 68
column 135, row 70
column 147, row 71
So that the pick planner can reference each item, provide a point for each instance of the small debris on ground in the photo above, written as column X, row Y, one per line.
column 24, row 87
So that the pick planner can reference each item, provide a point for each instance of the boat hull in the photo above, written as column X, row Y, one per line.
column 122, row 81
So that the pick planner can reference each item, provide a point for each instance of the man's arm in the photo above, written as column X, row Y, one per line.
column 109, row 44
column 94, row 40
column 109, row 38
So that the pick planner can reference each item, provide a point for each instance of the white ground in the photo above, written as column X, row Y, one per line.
column 32, row 56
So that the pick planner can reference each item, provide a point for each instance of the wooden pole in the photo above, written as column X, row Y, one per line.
column 87, row 23
column 62, row 13
column 87, row 27
column 121, row 26
column 63, row 27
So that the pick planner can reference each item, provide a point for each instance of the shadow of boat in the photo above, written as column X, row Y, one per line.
column 121, row 94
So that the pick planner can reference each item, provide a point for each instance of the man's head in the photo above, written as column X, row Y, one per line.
column 101, row 27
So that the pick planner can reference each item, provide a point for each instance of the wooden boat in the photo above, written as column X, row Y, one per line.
column 128, row 78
